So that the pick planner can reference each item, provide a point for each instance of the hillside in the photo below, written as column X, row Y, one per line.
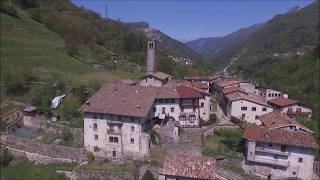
column 58, row 40
column 173, row 47
column 284, row 54
column 211, row 47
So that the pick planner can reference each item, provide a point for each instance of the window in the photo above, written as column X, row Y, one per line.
column 166, row 100
column 113, row 139
column 163, row 110
column 202, row 104
column 243, row 108
column 256, row 117
column 253, row 108
column 283, row 148
column 172, row 109
column 289, row 109
column 298, row 110
column 300, row 160
column 132, row 141
column 96, row 137
column 96, row 149
column 275, row 156
column 95, row 116
column 95, row 126
column 171, row 100
column 154, row 109
column 111, row 127
column 270, row 145
column 269, row 95
column 243, row 116
column 294, row 173
column 132, row 128
column 114, row 153
column 264, row 109
column 132, row 119
column 160, row 100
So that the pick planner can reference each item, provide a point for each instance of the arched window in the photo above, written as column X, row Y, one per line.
column 192, row 118
column 182, row 118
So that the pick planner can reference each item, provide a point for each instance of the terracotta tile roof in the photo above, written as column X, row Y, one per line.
column 236, row 96
column 188, row 92
column 233, row 89
column 279, row 136
column 205, row 78
column 121, row 99
column 282, row 102
column 199, row 85
column 275, row 120
column 165, row 92
column 158, row 75
column 198, row 167
column 128, row 81
column 227, row 82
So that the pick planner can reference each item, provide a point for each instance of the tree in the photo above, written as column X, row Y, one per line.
column 5, row 157
column 148, row 175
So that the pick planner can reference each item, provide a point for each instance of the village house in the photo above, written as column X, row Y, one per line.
column 247, row 107
column 156, row 79
column 220, row 84
column 201, row 79
column 290, row 107
column 116, row 119
column 183, row 167
column 28, row 118
column 269, row 94
column 279, row 148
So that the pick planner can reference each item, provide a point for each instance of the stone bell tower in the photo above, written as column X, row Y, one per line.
column 151, row 56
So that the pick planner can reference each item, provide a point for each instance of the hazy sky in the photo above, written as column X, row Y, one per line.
column 191, row 19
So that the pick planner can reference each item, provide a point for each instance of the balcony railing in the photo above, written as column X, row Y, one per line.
column 271, row 161
column 113, row 131
column 273, row 151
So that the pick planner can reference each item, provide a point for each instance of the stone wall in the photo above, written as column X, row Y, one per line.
column 35, row 151
column 84, row 174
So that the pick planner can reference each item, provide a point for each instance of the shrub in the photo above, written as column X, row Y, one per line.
column 8, row 9
column 67, row 136
column 148, row 175
column 155, row 137
column 5, row 157
column 213, row 118
column 89, row 157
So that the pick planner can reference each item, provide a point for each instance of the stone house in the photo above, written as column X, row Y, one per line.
column 185, row 167
column 29, row 119
column 290, row 107
column 279, row 148
column 156, row 79
column 247, row 107
column 116, row 119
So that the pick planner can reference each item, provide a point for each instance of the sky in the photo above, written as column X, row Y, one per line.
column 191, row 19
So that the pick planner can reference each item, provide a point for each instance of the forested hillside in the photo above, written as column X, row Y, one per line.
column 212, row 47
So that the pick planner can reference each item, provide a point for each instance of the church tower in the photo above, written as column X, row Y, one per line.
column 151, row 56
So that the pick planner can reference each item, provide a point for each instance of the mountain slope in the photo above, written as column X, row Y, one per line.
column 288, row 33
column 210, row 47
column 165, row 42
column 284, row 54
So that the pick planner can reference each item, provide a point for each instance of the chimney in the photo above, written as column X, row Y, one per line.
column 151, row 56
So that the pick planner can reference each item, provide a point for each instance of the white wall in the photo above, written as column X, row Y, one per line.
column 248, row 87
column 234, row 109
column 205, row 110
column 150, row 81
column 303, row 170
column 124, row 147
column 294, row 109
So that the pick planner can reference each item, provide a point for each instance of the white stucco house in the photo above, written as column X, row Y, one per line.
column 247, row 107
column 290, row 107
column 279, row 148
column 268, row 93
column 156, row 79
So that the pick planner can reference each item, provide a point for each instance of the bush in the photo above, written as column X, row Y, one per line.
column 148, row 175
column 5, row 157
column 212, row 120
column 67, row 136
column 89, row 157
column 8, row 9
column 155, row 137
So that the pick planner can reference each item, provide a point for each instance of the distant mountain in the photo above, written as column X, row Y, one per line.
column 210, row 47
column 165, row 42
column 292, row 34
column 283, row 54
